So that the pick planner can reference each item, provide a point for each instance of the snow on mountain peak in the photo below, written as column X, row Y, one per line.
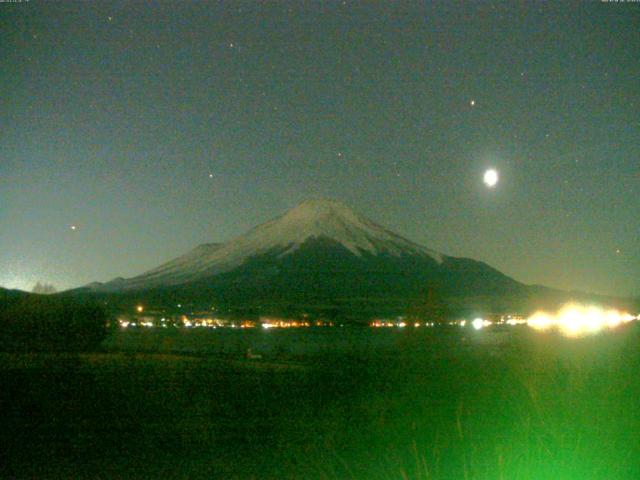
column 335, row 221
column 319, row 210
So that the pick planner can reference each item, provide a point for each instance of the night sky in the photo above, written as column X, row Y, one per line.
column 131, row 132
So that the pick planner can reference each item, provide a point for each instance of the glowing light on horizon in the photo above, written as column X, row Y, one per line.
column 540, row 321
column 575, row 320
column 480, row 323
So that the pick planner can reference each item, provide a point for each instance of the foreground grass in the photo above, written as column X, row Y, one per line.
column 538, row 407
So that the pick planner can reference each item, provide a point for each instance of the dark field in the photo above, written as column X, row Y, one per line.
column 342, row 403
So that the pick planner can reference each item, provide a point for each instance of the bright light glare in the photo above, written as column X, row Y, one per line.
column 540, row 321
column 478, row 323
column 491, row 178
column 575, row 320
column 513, row 321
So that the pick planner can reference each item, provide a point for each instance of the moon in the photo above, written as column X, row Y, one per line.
column 490, row 178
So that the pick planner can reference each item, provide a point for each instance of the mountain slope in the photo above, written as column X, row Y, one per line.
column 176, row 271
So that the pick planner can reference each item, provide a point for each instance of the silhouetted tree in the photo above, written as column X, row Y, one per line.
column 44, row 288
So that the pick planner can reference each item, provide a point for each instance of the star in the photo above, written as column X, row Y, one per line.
column 73, row 227
column 472, row 103
column 231, row 45
column 109, row 18
column 211, row 175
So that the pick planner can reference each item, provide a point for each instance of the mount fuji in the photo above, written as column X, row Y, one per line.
column 312, row 221
column 319, row 255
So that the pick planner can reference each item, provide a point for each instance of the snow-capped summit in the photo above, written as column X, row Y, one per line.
column 331, row 220
column 312, row 219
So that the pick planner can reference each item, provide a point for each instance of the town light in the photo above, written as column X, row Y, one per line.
column 575, row 320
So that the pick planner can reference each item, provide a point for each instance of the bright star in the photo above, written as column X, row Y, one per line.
column 472, row 103
column 490, row 178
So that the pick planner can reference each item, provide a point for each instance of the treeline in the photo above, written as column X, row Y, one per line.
column 50, row 323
